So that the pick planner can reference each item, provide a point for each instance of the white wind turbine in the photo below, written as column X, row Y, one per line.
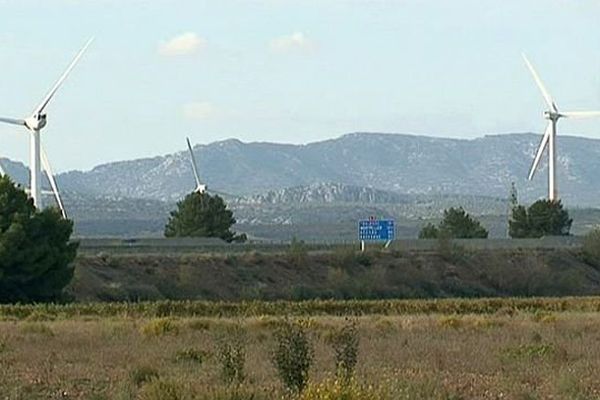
column 200, row 188
column 37, row 156
column 549, row 138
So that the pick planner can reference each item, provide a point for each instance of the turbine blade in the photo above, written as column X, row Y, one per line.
column 540, row 151
column 193, row 161
column 52, row 181
column 62, row 78
column 540, row 85
column 12, row 121
column 580, row 114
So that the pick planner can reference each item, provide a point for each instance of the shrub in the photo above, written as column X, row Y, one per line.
column 36, row 328
column 591, row 247
column 159, row 389
column 190, row 354
column 231, row 353
column 293, row 355
column 143, row 374
column 198, row 324
column 337, row 390
column 364, row 259
column 345, row 346
column 159, row 327
column 297, row 252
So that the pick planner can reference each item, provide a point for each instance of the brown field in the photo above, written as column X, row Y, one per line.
column 507, row 354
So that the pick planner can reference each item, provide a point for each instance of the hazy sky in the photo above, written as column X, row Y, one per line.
column 288, row 71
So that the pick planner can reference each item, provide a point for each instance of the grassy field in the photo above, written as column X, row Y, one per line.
column 446, row 349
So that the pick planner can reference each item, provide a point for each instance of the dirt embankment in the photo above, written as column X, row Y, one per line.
column 343, row 273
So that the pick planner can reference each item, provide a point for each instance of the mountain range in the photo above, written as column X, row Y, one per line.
column 404, row 164
column 338, row 180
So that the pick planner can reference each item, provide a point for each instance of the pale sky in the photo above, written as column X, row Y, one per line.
column 288, row 71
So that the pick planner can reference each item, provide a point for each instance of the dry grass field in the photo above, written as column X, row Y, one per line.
column 509, row 353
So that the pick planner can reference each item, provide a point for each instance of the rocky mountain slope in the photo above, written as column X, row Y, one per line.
column 392, row 162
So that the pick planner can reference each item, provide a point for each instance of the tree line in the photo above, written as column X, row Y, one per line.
column 542, row 218
column 37, row 254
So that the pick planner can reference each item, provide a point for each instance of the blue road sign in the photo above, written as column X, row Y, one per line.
column 376, row 229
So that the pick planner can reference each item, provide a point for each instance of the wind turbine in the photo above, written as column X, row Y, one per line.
column 37, row 156
column 200, row 188
column 549, row 138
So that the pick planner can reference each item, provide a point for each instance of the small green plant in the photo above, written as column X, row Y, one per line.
column 293, row 355
column 143, row 374
column 231, row 353
column 345, row 346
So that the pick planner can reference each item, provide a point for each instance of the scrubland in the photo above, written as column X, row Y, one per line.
column 447, row 349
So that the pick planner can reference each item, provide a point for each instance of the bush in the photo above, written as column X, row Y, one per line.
column 345, row 346
column 591, row 247
column 159, row 389
column 159, row 327
column 190, row 354
column 231, row 354
column 293, row 355
column 297, row 252
column 143, row 374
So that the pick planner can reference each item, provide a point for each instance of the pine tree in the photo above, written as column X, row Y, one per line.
column 35, row 248
column 542, row 218
column 455, row 224
column 202, row 215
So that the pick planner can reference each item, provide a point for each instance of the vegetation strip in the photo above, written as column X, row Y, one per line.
column 304, row 308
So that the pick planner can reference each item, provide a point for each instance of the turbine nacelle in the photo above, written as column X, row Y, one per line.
column 36, row 122
column 201, row 189
column 552, row 116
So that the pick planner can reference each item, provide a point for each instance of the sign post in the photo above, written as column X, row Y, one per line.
column 376, row 230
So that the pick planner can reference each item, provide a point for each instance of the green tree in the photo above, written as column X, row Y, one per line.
column 429, row 231
column 35, row 248
column 542, row 218
column 457, row 223
column 202, row 215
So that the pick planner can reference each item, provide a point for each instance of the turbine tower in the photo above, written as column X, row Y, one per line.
column 549, row 138
column 35, row 123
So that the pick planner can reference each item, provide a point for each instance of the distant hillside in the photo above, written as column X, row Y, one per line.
column 392, row 162
column 324, row 193
column 336, row 274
